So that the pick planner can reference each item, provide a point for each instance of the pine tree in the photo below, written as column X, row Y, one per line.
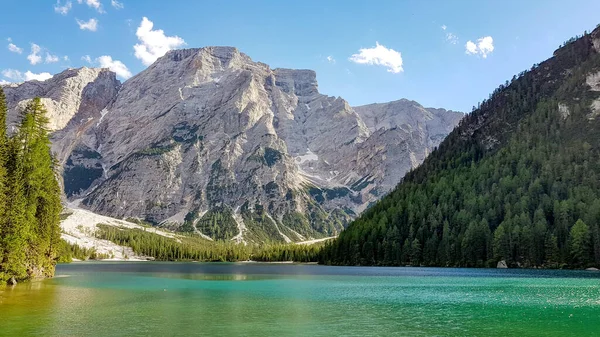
column 3, row 178
column 16, row 227
column 501, row 244
column 579, row 244
column 30, row 222
column 43, row 190
column 552, row 252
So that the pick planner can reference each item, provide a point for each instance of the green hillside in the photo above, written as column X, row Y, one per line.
column 518, row 180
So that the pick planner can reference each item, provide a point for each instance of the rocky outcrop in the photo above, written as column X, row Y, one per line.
column 210, row 141
column 74, row 100
column 404, row 133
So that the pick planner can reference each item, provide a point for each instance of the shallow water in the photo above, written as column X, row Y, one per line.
column 167, row 299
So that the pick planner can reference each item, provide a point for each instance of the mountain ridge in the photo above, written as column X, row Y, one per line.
column 208, row 138
column 516, row 181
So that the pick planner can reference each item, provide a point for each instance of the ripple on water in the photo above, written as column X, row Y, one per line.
column 266, row 300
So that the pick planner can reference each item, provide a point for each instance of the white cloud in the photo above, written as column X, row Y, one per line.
column 117, row 66
column 17, row 76
column 452, row 38
column 64, row 9
column 153, row 43
column 4, row 82
column 91, row 25
column 51, row 58
column 65, row 58
column 39, row 77
column 106, row 61
column 34, row 58
column 379, row 55
column 116, row 4
column 483, row 47
column 330, row 59
column 471, row 48
column 12, row 74
column 13, row 48
column 93, row 4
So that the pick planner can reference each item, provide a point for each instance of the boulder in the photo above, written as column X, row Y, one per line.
column 12, row 281
column 502, row 265
column 592, row 269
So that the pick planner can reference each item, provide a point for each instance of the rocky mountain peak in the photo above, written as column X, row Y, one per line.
column 205, row 61
column 299, row 82
column 64, row 93
column 406, row 113
column 209, row 140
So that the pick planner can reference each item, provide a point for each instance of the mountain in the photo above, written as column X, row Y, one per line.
column 517, row 181
column 208, row 140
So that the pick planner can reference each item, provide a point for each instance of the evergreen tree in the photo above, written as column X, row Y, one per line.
column 552, row 252
column 30, row 223
column 3, row 179
column 580, row 244
column 501, row 244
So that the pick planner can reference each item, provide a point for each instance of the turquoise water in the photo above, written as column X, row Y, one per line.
column 195, row 299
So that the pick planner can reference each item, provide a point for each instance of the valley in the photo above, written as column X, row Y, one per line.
column 305, row 168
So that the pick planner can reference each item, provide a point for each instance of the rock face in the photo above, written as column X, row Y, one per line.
column 208, row 140
column 74, row 100
column 403, row 133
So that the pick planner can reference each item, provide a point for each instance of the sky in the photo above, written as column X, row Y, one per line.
column 445, row 54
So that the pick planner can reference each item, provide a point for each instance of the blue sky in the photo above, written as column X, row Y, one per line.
column 416, row 58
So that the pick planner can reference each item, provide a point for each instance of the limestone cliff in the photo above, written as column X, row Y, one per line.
column 210, row 141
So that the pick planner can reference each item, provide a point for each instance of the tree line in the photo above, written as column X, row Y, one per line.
column 68, row 252
column 190, row 247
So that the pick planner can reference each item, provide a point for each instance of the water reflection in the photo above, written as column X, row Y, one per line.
column 26, row 303
column 130, row 299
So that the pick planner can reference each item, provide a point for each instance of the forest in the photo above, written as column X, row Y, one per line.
column 517, row 181
column 190, row 247
column 30, row 203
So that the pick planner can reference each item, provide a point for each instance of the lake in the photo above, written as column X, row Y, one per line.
column 247, row 299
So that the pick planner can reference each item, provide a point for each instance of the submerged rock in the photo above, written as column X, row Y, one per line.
column 501, row 265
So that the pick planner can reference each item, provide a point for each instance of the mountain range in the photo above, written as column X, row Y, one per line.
column 209, row 141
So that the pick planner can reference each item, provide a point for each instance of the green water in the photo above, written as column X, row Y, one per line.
column 193, row 299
